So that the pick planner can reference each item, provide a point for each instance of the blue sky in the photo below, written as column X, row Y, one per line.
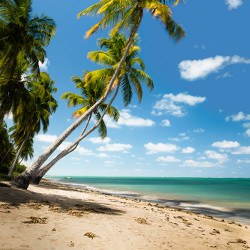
column 196, row 121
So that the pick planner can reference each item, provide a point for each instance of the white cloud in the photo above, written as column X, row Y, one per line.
column 199, row 164
column 233, row 4
column 242, row 151
column 129, row 120
column 248, row 132
column 174, row 104
column 238, row 117
column 160, row 147
column 83, row 151
column 102, row 155
column 246, row 125
column 216, row 156
column 226, row 144
column 188, row 150
column 80, row 150
column 167, row 159
column 44, row 66
column 165, row 123
column 115, row 147
column 126, row 119
column 45, row 138
column 243, row 161
column 99, row 140
column 199, row 130
column 110, row 123
column 182, row 137
column 195, row 69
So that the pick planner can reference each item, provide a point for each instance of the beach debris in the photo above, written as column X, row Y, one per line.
column 36, row 220
column 72, row 244
column 238, row 241
column 185, row 221
column 90, row 235
column 55, row 208
column 8, row 206
column 141, row 221
column 77, row 213
column 34, row 205
column 54, row 229
column 216, row 231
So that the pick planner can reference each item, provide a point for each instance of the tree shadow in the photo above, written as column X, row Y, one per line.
column 198, row 207
column 14, row 197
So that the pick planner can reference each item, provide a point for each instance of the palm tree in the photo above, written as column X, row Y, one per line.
column 130, row 75
column 89, row 94
column 121, row 14
column 38, row 102
column 22, row 40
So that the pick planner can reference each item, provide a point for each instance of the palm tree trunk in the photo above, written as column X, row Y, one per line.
column 38, row 176
column 24, row 179
column 73, row 146
column 13, row 165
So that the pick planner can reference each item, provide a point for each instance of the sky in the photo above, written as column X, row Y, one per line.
column 196, row 121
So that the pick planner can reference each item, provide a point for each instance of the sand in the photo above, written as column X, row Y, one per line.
column 53, row 216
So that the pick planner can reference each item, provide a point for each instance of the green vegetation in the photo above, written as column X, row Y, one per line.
column 92, row 87
column 23, row 88
column 23, row 85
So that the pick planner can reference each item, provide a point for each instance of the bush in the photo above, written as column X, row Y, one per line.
column 4, row 169
column 20, row 168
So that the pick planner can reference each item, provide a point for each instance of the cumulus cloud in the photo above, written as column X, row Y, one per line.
column 115, row 147
column 165, row 123
column 211, row 154
column 246, row 125
column 174, row 104
column 226, row 144
column 233, row 4
column 242, row 151
column 196, row 69
column 129, row 120
column 45, row 138
column 241, row 116
column 154, row 148
column 126, row 119
column 188, row 150
column 80, row 150
column 167, row 159
column 199, row 164
column 44, row 66
column 99, row 140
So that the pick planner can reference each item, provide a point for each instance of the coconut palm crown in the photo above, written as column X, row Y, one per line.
column 89, row 94
column 125, row 14
column 132, row 73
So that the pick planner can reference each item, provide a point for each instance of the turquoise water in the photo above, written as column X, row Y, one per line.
column 226, row 197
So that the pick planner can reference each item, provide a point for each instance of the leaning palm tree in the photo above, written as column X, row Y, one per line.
column 130, row 78
column 38, row 102
column 89, row 94
column 22, row 39
column 120, row 14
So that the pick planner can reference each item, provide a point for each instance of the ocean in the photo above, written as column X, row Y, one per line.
column 222, row 197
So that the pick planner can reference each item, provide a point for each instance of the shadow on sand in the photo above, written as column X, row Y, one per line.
column 17, row 197
column 195, row 206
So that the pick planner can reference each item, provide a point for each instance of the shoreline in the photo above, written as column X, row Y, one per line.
column 57, row 216
column 239, row 215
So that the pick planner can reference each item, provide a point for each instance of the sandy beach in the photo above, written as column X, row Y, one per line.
column 56, row 216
